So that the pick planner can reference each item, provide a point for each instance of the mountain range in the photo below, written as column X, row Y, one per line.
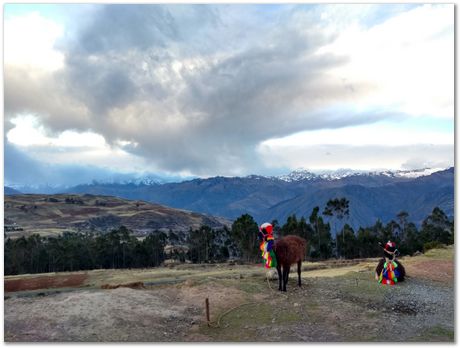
column 372, row 195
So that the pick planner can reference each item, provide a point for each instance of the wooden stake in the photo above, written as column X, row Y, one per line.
column 207, row 311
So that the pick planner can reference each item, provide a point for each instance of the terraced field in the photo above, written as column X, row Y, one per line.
column 51, row 214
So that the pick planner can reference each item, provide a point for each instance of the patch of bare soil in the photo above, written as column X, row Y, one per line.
column 437, row 270
column 161, row 313
column 119, row 315
column 44, row 282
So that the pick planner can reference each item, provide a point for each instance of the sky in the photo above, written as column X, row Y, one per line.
column 98, row 91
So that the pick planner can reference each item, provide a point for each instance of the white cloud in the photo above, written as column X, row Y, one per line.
column 29, row 42
column 407, row 61
column 70, row 147
column 360, row 157
column 28, row 131
column 385, row 134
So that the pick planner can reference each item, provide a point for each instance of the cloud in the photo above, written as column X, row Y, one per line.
column 208, row 105
column 198, row 88
column 363, row 157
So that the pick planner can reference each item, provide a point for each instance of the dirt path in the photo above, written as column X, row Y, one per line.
column 333, row 305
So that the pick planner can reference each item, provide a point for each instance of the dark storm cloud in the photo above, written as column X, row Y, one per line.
column 196, row 87
column 98, row 85
column 260, row 94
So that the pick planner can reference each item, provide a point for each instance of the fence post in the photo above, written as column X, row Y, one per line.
column 207, row 311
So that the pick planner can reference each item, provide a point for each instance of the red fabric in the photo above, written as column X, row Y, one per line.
column 390, row 245
column 268, row 227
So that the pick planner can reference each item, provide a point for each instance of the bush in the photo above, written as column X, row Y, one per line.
column 433, row 245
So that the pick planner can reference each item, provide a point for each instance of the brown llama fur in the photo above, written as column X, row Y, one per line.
column 289, row 250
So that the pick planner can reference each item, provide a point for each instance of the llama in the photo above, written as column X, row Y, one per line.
column 389, row 270
column 288, row 250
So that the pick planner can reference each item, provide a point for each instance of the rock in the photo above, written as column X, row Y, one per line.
column 417, row 253
column 296, row 304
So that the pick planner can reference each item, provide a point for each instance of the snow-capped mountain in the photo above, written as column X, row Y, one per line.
column 147, row 180
column 303, row 174
column 412, row 173
column 298, row 175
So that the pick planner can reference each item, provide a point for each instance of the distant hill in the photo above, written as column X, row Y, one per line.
column 51, row 214
column 10, row 191
column 372, row 196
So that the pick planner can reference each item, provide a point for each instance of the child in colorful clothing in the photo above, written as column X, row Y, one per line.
column 389, row 270
column 266, row 246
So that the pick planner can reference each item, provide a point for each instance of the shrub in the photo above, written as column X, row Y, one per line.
column 433, row 245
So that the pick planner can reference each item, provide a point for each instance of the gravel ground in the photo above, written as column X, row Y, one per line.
column 350, row 308
column 409, row 311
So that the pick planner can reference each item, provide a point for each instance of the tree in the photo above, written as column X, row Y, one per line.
column 201, row 245
column 348, row 244
column 291, row 226
column 402, row 217
column 314, row 222
column 276, row 229
column 437, row 227
column 412, row 241
column 367, row 240
column 299, row 228
column 244, row 232
column 338, row 208
column 155, row 244
column 323, row 249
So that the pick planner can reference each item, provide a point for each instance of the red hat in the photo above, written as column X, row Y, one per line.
column 390, row 247
column 267, row 227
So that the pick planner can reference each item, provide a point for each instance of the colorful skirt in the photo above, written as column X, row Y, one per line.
column 390, row 273
column 269, row 256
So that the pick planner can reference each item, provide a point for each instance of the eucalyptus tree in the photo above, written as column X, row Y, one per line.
column 338, row 209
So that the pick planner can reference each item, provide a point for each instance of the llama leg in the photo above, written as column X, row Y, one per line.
column 286, row 276
column 283, row 286
column 278, row 268
column 299, row 266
